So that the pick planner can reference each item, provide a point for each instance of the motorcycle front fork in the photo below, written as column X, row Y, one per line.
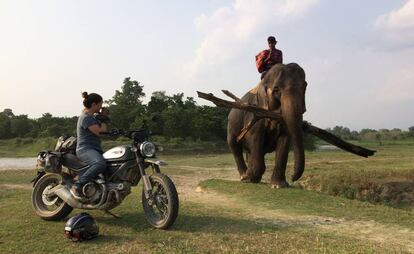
column 145, row 177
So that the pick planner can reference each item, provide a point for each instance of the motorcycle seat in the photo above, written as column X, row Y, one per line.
column 71, row 161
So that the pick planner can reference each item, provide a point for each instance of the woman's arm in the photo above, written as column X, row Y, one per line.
column 97, row 129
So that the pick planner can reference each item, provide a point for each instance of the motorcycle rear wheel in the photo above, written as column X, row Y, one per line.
column 49, row 207
column 162, row 209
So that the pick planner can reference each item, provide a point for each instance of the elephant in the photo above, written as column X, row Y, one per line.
column 282, row 90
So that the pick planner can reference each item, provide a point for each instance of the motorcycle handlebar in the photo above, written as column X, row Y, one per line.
column 130, row 133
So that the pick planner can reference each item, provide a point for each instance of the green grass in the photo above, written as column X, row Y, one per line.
column 298, row 201
column 347, row 175
column 25, row 147
column 199, row 228
column 219, row 226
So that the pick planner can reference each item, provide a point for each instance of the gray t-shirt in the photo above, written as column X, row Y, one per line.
column 86, row 139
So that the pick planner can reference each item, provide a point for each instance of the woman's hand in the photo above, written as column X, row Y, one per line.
column 104, row 111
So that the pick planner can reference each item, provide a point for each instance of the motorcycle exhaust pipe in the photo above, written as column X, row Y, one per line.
column 63, row 192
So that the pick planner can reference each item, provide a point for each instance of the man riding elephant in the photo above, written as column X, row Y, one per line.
column 268, row 57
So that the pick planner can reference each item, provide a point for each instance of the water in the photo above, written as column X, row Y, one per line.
column 17, row 163
column 328, row 148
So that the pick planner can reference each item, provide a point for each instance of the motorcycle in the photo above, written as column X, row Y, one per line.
column 126, row 165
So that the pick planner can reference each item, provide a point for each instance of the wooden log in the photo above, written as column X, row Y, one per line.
column 336, row 141
column 228, row 93
column 247, row 128
column 263, row 113
column 259, row 112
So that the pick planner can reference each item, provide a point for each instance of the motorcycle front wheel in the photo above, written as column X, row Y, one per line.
column 161, row 208
column 49, row 207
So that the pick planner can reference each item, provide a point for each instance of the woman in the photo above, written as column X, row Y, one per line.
column 88, row 147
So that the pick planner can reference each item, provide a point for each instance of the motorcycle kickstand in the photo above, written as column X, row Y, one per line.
column 112, row 214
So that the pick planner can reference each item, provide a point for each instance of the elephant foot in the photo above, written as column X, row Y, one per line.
column 279, row 184
column 245, row 178
column 250, row 179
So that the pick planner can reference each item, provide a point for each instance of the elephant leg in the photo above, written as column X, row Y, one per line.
column 256, row 163
column 237, row 151
column 278, row 179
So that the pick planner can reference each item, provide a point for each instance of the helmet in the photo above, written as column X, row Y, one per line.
column 81, row 227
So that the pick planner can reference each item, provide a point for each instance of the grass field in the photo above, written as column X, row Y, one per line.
column 29, row 147
column 322, row 213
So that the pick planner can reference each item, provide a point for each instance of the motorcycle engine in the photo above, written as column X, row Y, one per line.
column 92, row 191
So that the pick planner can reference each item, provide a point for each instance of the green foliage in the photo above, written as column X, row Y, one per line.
column 20, row 126
column 379, row 136
column 126, row 106
column 344, row 133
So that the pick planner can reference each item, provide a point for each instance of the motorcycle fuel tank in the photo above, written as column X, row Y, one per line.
column 119, row 153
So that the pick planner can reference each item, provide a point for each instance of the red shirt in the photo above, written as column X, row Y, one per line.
column 263, row 65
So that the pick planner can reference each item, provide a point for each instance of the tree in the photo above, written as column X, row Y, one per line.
column 5, row 131
column 126, row 105
column 8, row 112
column 158, row 103
column 411, row 131
column 20, row 126
column 210, row 123
column 368, row 134
column 178, row 117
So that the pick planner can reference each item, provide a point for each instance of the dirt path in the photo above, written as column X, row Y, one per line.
column 16, row 186
column 363, row 230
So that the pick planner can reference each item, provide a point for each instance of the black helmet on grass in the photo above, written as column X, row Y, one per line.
column 81, row 227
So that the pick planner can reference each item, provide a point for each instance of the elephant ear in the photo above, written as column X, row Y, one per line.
column 262, row 100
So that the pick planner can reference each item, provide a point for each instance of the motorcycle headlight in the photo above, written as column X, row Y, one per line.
column 147, row 149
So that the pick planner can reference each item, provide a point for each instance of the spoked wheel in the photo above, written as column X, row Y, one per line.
column 49, row 207
column 161, row 209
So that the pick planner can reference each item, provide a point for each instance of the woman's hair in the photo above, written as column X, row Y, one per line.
column 88, row 99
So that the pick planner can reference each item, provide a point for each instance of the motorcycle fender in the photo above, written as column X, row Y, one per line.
column 156, row 162
column 39, row 175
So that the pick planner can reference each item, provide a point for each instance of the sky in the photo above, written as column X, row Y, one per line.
column 358, row 55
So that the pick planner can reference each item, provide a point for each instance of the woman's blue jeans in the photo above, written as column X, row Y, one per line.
column 96, row 162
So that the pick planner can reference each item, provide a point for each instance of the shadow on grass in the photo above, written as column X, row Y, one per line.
column 189, row 223
column 105, row 238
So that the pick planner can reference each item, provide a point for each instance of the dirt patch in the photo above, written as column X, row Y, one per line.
column 397, row 193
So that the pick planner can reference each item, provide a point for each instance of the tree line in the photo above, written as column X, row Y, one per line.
column 371, row 134
column 177, row 117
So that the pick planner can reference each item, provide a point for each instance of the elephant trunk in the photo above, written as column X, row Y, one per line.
column 292, row 109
